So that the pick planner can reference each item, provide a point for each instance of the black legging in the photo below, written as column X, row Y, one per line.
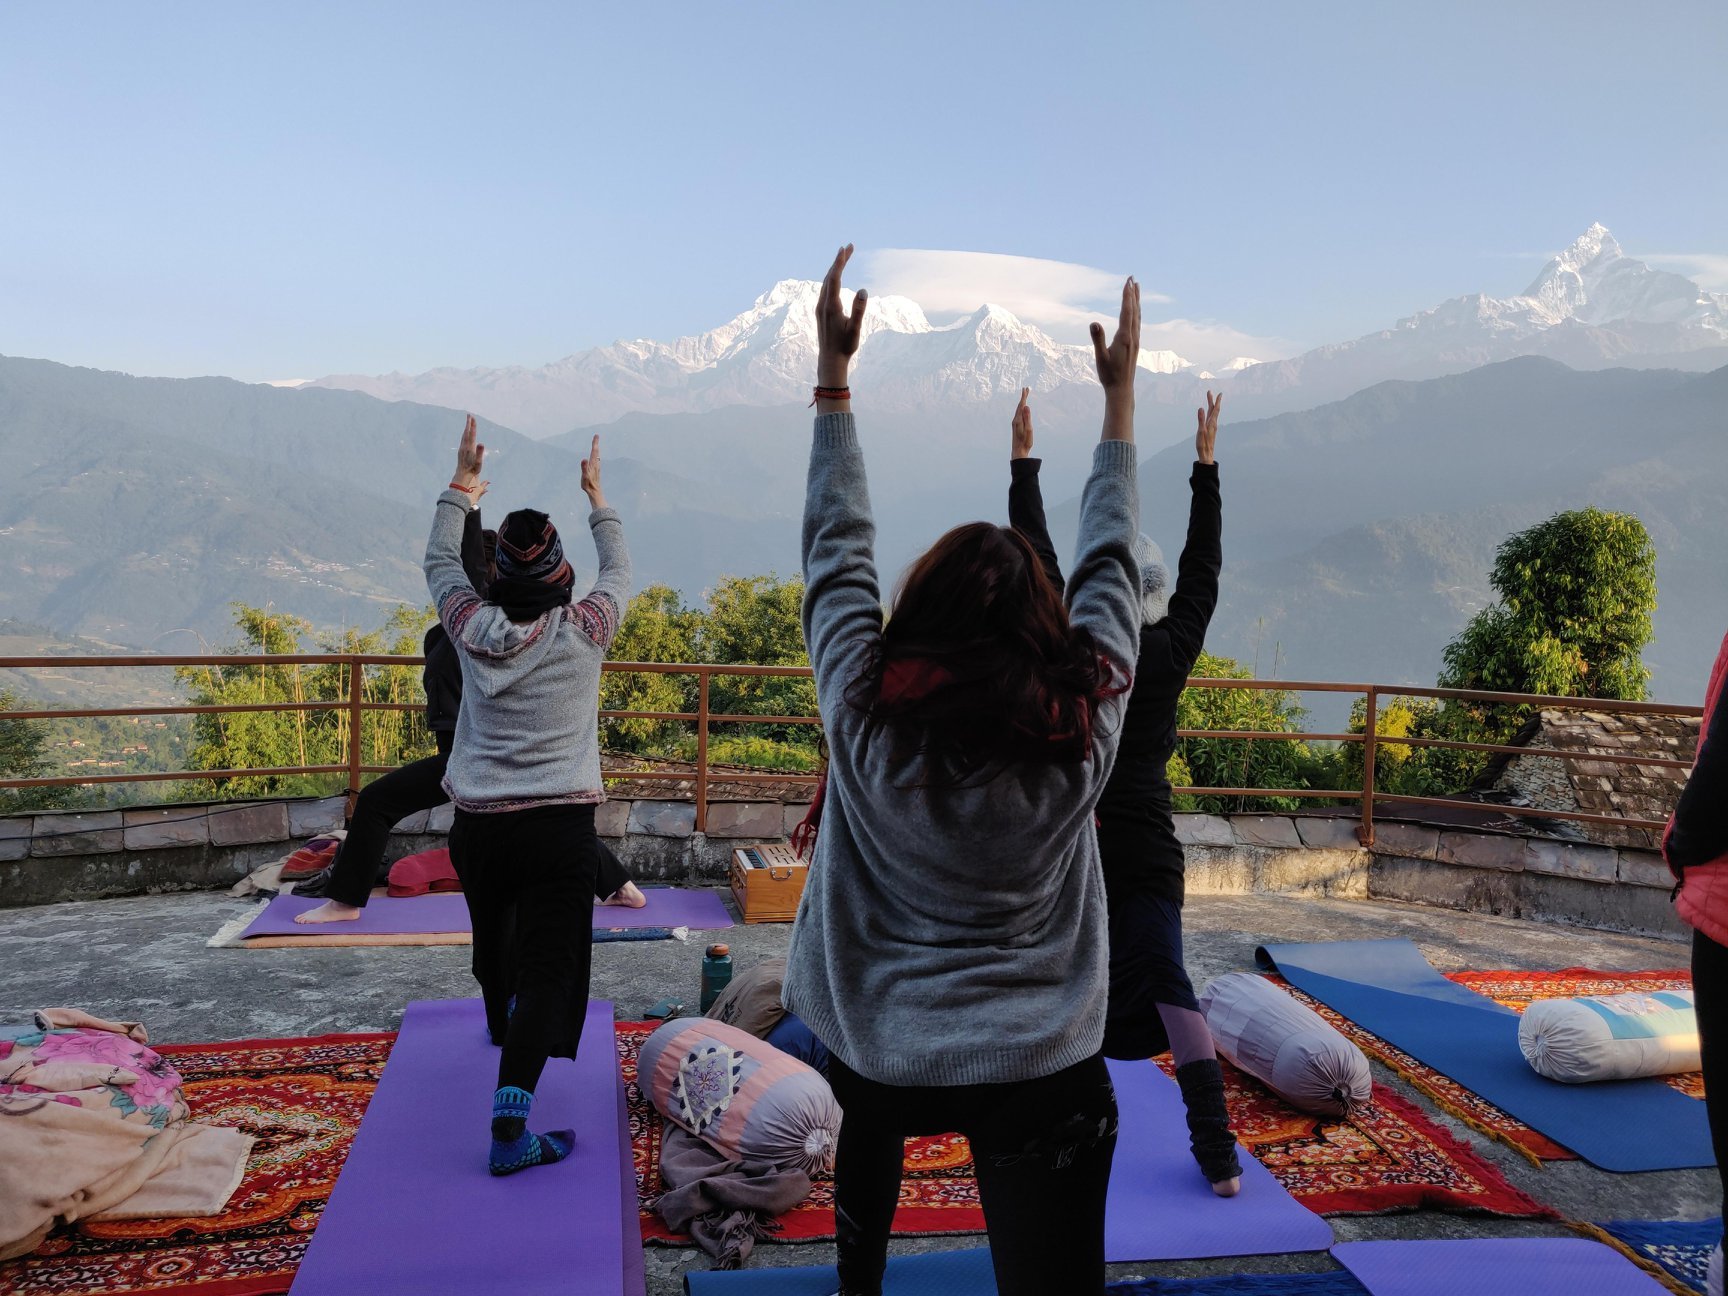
column 1042, row 1149
column 1710, row 994
column 528, row 878
column 385, row 802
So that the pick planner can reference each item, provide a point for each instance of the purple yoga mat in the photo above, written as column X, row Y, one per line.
column 415, row 1213
column 447, row 911
column 1525, row 1266
column 1161, row 1208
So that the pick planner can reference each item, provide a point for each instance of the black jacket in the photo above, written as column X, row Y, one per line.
column 442, row 676
column 1136, row 833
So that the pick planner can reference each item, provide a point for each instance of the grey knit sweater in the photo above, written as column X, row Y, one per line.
column 952, row 937
column 527, row 733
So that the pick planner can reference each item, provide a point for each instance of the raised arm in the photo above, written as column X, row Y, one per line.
column 1698, row 832
column 446, row 576
column 474, row 542
column 1196, row 594
column 842, row 599
column 601, row 609
column 1104, row 590
column 1025, row 496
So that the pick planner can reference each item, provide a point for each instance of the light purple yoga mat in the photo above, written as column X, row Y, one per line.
column 447, row 911
column 414, row 1211
column 1517, row 1266
column 1161, row 1207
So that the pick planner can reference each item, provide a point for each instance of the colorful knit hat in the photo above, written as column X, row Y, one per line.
column 1154, row 579
column 529, row 549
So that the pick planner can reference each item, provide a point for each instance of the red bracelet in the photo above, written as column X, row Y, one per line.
column 466, row 490
column 831, row 394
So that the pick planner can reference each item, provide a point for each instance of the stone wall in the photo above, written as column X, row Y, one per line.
column 64, row 856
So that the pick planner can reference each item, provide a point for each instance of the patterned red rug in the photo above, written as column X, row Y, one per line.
column 1389, row 1157
column 302, row 1099
column 1516, row 990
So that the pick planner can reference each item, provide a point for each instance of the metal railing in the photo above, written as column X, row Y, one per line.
column 355, row 706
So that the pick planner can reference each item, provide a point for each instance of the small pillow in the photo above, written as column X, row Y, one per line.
column 1611, row 1037
column 315, row 856
column 423, row 872
column 1286, row 1046
column 743, row 1097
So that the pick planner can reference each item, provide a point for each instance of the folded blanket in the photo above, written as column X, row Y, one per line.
column 725, row 1205
column 90, row 1118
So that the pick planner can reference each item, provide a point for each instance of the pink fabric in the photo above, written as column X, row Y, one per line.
column 427, row 871
column 1703, row 899
column 317, row 854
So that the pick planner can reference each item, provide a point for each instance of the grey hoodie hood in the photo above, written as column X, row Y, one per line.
column 1154, row 580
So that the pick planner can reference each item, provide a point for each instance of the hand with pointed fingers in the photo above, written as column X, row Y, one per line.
column 1206, row 437
column 1118, row 361
column 470, row 457
column 591, row 476
column 1022, row 427
column 837, row 332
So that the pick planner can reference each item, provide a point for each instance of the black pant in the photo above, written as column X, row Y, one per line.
column 386, row 802
column 1710, row 993
column 1042, row 1149
column 381, row 805
column 1145, row 970
column 528, row 877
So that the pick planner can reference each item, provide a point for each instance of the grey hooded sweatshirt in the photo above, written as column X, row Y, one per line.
column 952, row 936
column 527, row 733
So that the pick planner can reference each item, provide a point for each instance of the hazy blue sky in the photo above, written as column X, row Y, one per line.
column 276, row 191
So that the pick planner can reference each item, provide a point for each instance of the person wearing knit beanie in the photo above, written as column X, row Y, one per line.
column 1152, row 1003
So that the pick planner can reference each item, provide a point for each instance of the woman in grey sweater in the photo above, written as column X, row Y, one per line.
column 525, row 776
column 951, row 947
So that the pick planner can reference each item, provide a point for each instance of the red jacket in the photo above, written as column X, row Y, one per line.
column 1696, row 843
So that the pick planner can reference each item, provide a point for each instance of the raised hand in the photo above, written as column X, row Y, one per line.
column 470, row 457
column 1022, row 427
column 1118, row 361
column 837, row 333
column 591, row 475
column 1206, row 436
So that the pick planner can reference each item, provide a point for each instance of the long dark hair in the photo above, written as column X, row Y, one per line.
column 979, row 666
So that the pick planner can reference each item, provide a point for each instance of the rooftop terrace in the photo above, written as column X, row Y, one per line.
column 147, row 957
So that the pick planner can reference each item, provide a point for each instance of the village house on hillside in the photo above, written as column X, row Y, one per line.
column 1596, row 787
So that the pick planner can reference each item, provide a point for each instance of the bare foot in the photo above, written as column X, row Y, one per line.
column 1227, row 1187
column 328, row 912
column 628, row 896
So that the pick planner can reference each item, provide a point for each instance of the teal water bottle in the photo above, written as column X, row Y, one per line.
column 716, row 973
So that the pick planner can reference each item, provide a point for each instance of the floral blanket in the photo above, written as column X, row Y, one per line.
column 92, row 1121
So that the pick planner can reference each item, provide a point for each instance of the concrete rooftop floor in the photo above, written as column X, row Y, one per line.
column 146, row 958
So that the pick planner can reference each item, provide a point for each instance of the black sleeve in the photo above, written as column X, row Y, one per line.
column 1026, row 514
column 1196, row 593
column 474, row 551
column 1699, row 831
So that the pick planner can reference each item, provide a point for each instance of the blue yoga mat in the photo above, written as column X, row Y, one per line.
column 1520, row 1266
column 414, row 1211
column 1161, row 1208
column 1388, row 988
column 946, row 1273
column 1336, row 1282
column 1682, row 1247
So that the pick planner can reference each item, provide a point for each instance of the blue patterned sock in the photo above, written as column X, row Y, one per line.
column 514, row 1147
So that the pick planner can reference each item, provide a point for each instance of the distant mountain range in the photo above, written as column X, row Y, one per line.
column 1591, row 307
column 1357, row 535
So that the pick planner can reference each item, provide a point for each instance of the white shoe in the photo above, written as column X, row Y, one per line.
column 1713, row 1275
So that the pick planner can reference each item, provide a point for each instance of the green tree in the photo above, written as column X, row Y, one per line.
column 276, row 739
column 757, row 620
column 656, row 627
column 22, row 744
column 1243, row 762
column 1573, row 616
column 1572, row 619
